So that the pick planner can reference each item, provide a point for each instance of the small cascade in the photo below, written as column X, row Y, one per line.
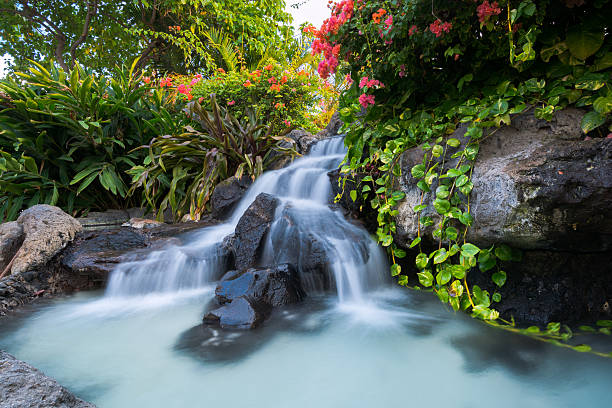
column 329, row 251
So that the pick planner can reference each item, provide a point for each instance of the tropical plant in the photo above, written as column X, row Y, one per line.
column 66, row 137
column 182, row 169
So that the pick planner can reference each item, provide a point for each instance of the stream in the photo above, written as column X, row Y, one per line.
column 356, row 341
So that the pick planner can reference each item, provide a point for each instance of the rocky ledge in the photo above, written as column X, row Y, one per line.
column 23, row 386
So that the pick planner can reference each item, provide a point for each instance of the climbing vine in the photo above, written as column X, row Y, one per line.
column 421, row 75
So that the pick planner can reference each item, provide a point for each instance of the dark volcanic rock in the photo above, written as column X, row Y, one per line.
column 248, row 297
column 252, row 229
column 239, row 314
column 23, row 386
column 11, row 238
column 227, row 194
column 93, row 255
column 332, row 128
column 275, row 286
column 537, row 185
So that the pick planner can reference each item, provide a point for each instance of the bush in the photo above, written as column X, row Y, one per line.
column 67, row 138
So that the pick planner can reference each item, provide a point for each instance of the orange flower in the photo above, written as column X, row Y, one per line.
column 247, row 83
column 147, row 80
column 284, row 79
column 275, row 87
column 279, row 105
column 269, row 67
column 221, row 70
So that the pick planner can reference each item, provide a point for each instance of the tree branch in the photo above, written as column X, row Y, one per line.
column 92, row 9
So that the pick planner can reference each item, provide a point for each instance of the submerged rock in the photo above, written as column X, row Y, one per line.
column 23, row 386
column 248, row 297
column 227, row 194
column 47, row 230
column 251, row 231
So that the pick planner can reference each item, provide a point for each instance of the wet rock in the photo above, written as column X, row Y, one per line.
column 536, row 186
column 248, row 297
column 251, row 231
column 142, row 223
column 94, row 254
column 332, row 128
column 23, row 386
column 227, row 194
column 109, row 218
column 239, row 314
column 11, row 238
column 276, row 286
column 47, row 230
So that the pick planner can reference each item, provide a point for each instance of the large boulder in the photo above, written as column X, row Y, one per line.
column 227, row 194
column 11, row 238
column 23, row 386
column 332, row 128
column 251, row 231
column 537, row 185
column 47, row 230
column 247, row 297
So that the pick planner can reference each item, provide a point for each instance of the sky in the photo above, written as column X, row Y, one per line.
column 312, row 11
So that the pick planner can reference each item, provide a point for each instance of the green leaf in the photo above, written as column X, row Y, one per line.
column 466, row 219
column 603, row 105
column 421, row 261
column 437, row 151
column 592, row 120
column 415, row 242
column 496, row 297
column 503, row 252
column 425, row 278
column 582, row 348
column 443, row 277
column 468, row 250
column 486, row 260
column 418, row 171
column 461, row 180
column 420, row 207
column 499, row 278
column 604, row 323
column 441, row 206
column 353, row 195
column 451, row 233
column 458, row 271
column 395, row 270
column 453, row 142
column 583, row 43
column 440, row 256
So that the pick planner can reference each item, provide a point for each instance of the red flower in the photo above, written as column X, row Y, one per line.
column 284, row 79
column 269, row 67
column 486, row 10
column 437, row 27
column 147, row 80
column 247, row 83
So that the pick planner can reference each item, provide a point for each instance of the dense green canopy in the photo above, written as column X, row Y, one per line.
column 165, row 33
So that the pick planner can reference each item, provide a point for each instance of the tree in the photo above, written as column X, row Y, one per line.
column 167, row 34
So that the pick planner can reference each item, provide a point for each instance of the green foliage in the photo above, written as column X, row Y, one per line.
column 183, row 168
column 420, row 71
column 65, row 137
column 164, row 33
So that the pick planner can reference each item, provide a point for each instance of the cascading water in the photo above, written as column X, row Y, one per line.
column 304, row 226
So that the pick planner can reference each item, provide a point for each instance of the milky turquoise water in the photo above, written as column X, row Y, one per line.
column 401, row 348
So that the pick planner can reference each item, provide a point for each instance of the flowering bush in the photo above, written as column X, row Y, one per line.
column 282, row 96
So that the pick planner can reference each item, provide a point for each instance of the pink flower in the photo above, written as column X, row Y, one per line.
column 363, row 82
column 413, row 30
column 437, row 27
column 183, row 89
column 486, row 10
column 348, row 79
column 230, row 103
column 287, row 123
column 366, row 100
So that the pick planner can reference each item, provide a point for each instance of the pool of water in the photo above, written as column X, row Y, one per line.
column 400, row 348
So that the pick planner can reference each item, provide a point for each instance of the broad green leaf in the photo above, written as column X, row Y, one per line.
column 418, row 171
column 440, row 256
column 395, row 270
column 503, row 252
column 353, row 195
column 583, row 43
column 441, row 206
column 421, row 261
column 469, row 249
column 425, row 278
column 592, row 120
column 499, row 278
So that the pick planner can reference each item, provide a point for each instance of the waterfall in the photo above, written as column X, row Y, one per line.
column 304, row 219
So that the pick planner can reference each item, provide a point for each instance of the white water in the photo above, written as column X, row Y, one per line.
column 302, row 217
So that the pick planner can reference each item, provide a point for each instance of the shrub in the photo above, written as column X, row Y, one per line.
column 67, row 138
